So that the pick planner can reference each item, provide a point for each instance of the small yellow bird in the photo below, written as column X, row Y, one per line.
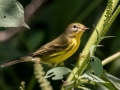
column 58, row 50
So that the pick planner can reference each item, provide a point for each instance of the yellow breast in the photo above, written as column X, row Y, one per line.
column 74, row 44
column 66, row 53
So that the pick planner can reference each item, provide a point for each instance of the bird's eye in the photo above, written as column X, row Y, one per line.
column 74, row 26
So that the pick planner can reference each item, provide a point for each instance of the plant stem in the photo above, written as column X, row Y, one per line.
column 83, row 62
column 111, row 58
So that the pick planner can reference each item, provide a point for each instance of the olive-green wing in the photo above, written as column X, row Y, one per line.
column 49, row 49
column 57, row 45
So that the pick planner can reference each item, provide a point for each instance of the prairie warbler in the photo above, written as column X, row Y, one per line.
column 58, row 50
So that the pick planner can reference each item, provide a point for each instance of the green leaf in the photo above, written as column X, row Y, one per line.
column 107, row 37
column 11, row 14
column 99, row 82
column 115, row 81
column 57, row 73
column 93, row 48
column 102, row 87
column 84, row 88
column 93, row 77
column 96, row 65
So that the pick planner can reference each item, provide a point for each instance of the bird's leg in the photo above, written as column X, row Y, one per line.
column 61, row 64
column 53, row 65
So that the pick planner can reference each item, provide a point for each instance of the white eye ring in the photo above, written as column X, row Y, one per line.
column 74, row 26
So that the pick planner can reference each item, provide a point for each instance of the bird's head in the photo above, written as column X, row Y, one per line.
column 75, row 29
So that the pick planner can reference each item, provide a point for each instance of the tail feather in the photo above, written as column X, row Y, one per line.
column 22, row 59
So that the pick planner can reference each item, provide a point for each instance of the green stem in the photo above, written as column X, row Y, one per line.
column 83, row 62
column 80, row 82
column 112, row 18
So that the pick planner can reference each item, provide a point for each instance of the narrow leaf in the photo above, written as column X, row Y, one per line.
column 115, row 81
column 93, row 77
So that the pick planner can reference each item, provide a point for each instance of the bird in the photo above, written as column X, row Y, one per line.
column 58, row 50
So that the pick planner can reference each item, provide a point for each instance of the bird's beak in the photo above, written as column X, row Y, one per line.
column 85, row 28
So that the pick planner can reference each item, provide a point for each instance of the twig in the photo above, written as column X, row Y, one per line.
column 111, row 58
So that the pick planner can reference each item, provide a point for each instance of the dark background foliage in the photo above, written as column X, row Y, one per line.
column 47, row 23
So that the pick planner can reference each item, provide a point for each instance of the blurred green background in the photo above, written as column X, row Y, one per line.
column 47, row 23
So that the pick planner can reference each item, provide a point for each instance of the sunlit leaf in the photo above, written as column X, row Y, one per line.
column 57, row 73
column 115, row 81
column 92, row 77
column 11, row 14
column 99, row 82
column 102, row 87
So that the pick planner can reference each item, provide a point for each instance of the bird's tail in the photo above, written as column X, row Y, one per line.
column 22, row 59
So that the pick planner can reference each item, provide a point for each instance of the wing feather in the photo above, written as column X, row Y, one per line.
column 51, row 48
